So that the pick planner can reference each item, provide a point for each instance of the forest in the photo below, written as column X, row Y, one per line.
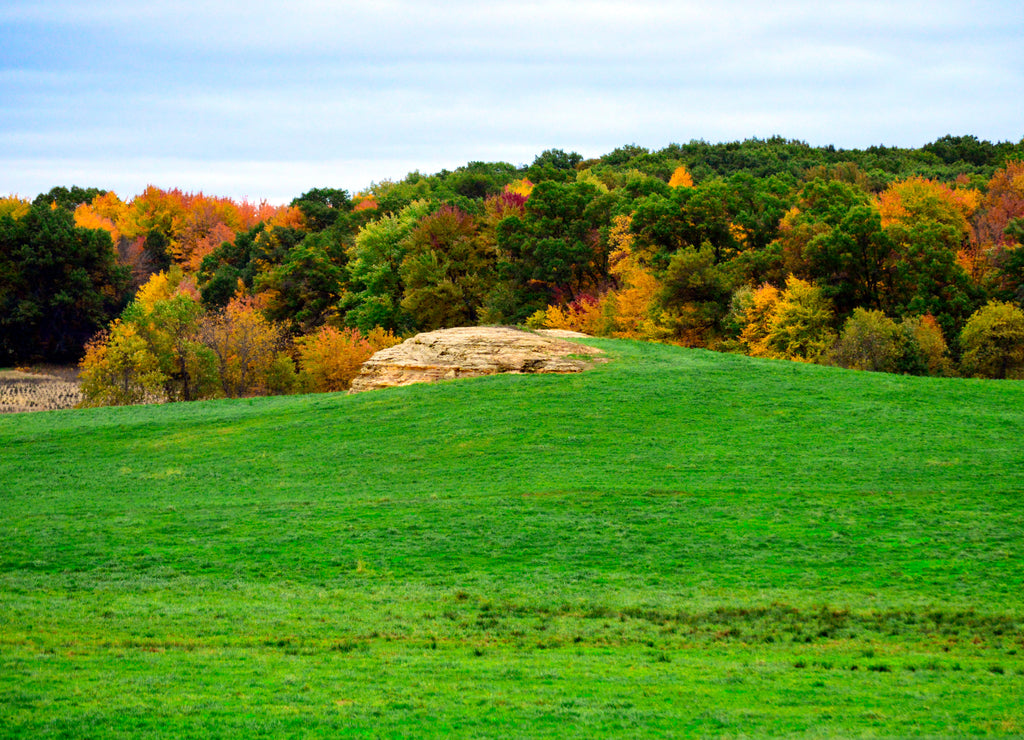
column 882, row 259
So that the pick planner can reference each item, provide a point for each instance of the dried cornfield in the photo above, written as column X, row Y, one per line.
column 23, row 391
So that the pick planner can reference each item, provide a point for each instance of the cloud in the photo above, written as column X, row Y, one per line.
column 251, row 86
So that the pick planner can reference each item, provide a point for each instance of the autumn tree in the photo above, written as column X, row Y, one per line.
column 248, row 348
column 15, row 207
column 801, row 325
column 632, row 302
column 795, row 324
column 917, row 198
column 681, row 178
column 993, row 240
column 171, row 330
column 584, row 314
column 992, row 342
column 330, row 358
column 153, row 343
column 120, row 369
column 758, row 313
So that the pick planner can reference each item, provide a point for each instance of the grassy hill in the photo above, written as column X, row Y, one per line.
column 675, row 542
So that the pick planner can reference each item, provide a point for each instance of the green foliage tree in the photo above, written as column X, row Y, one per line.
column 170, row 328
column 323, row 206
column 854, row 260
column 252, row 254
column 554, row 164
column 870, row 340
column 151, row 353
column 556, row 250
column 927, row 277
column 67, row 198
column 59, row 284
column 375, row 282
column 696, row 295
column 446, row 270
column 992, row 342
column 304, row 289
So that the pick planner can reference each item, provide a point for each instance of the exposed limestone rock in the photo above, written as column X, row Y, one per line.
column 470, row 351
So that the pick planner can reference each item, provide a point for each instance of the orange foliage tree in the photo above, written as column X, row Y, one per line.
column 990, row 242
column 330, row 358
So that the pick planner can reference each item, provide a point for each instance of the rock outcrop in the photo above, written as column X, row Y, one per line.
column 471, row 351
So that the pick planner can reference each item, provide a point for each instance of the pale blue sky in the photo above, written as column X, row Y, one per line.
column 267, row 100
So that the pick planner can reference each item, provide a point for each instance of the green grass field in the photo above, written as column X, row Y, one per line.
column 675, row 543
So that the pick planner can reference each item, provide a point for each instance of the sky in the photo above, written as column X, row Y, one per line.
column 266, row 100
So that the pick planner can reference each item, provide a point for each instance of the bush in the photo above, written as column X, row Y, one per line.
column 584, row 315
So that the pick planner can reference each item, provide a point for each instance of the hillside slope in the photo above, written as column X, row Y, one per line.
column 676, row 541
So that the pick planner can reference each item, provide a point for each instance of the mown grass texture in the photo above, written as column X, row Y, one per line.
column 676, row 542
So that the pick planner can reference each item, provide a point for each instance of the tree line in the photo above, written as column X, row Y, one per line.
column 901, row 260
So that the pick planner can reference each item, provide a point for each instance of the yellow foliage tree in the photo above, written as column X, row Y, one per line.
column 119, row 368
column 793, row 325
column 86, row 217
column 14, row 206
column 918, row 198
column 582, row 315
column 760, row 312
column 520, row 187
column 681, row 178
column 164, row 285
column 247, row 346
column 633, row 302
